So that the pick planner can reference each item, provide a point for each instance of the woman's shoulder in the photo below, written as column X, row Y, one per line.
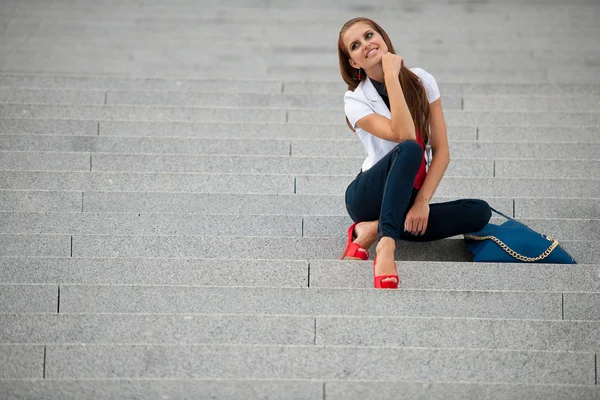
column 428, row 81
column 423, row 75
column 356, row 94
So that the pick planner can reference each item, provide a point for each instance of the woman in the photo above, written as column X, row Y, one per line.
column 397, row 114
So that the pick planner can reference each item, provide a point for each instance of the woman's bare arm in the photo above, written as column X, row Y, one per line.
column 441, row 152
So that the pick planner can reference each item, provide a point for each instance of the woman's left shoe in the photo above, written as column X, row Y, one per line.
column 353, row 250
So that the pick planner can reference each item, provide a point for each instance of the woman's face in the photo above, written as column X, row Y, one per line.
column 364, row 45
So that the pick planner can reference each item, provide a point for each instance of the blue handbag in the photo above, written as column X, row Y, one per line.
column 514, row 242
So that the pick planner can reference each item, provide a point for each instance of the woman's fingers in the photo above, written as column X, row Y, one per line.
column 408, row 225
column 419, row 227
column 424, row 226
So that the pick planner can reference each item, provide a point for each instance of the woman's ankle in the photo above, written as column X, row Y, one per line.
column 366, row 233
column 386, row 245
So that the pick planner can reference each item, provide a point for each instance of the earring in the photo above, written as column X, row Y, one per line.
column 359, row 74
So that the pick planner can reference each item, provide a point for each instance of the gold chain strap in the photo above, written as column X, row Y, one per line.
column 513, row 253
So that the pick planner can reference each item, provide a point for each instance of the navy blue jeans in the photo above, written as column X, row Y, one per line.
column 385, row 192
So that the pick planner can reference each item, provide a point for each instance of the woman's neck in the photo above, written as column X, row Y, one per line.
column 376, row 73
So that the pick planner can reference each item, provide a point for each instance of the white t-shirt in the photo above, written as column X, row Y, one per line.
column 365, row 100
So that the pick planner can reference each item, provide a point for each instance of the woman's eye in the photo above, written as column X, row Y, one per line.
column 369, row 35
column 353, row 46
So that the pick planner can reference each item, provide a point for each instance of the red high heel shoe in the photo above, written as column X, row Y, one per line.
column 353, row 250
column 377, row 280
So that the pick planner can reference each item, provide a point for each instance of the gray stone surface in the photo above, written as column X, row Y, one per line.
column 48, row 126
column 462, row 276
column 32, row 161
column 458, row 333
column 46, row 96
column 456, row 391
column 292, row 301
column 28, row 298
column 21, row 362
column 248, row 203
column 587, row 168
column 583, row 134
column 582, row 305
column 162, row 389
column 144, row 145
column 148, row 113
column 12, row 245
column 40, row 201
column 574, row 75
column 261, row 164
column 296, row 362
column 560, row 103
column 219, row 99
column 53, row 143
column 557, row 208
column 146, row 182
column 224, row 163
column 470, row 187
column 136, row 84
column 157, row 329
column 293, row 390
column 151, row 271
column 582, row 251
column 151, row 224
column 227, row 129
column 560, row 229
column 518, row 89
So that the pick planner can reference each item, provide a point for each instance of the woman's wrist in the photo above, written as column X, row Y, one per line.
column 422, row 199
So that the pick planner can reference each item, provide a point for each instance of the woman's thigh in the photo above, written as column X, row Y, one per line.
column 365, row 194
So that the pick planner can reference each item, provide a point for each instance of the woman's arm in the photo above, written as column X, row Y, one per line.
column 418, row 215
column 401, row 127
column 440, row 149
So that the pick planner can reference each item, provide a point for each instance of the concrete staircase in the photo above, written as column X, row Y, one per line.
column 171, row 204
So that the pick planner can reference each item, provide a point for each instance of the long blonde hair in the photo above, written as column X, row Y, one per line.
column 414, row 91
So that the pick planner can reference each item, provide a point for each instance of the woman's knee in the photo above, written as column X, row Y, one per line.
column 409, row 149
column 482, row 213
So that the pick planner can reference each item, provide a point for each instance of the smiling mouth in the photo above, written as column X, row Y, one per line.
column 371, row 52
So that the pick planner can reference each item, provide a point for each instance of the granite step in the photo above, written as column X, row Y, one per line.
column 309, row 362
column 156, row 299
column 147, row 113
column 281, row 273
column 130, row 389
column 326, row 331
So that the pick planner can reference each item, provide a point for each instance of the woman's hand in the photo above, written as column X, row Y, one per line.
column 417, row 218
column 391, row 64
